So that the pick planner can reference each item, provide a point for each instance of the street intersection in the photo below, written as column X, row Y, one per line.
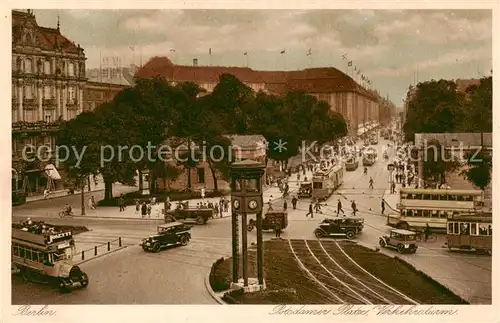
column 177, row 275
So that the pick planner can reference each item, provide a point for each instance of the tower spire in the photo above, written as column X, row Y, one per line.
column 58, row 23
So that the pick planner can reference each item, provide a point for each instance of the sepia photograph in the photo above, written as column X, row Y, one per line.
column 318, row 161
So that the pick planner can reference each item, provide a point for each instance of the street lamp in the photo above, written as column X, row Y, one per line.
column 246, row 198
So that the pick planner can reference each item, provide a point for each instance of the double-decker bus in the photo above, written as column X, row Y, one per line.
column 421, row 207
column 472, row 232
column 326, row 181
column 369, row 156
column 43, row 253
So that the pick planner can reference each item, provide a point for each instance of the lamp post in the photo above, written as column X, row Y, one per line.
column 246, row 198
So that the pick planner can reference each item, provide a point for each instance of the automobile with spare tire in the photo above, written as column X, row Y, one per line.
column 404, row 241
column 342, row 227
column 174, row 233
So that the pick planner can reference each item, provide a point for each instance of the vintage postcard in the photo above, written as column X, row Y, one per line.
column 312, row 161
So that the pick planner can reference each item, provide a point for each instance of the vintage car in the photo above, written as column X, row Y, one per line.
column 270, row 219
column 174, row 233
column 348, row 227
column 189, row 215
column 402, row 240
column 305, row 190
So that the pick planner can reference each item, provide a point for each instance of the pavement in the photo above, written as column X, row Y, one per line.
column 135, row 275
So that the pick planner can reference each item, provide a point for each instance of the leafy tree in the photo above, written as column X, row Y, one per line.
column 479, row 168
column 478, row 107
column 437, row 162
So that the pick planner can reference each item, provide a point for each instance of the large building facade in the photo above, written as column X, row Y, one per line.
column 49, row 86
column 358, row 105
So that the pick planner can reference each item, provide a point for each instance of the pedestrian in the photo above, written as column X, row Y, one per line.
column 427, row 232
column 277, row 229
column 310, row 210
column 202, row 193
column 90, row 204
column 144, row 209
column 298, row 176
column 285, row 205
column 365, row 171
column 216, row 210
column 382, row 206
column 270, row 203
column 122, row 203
column 137, row 206
column 317, row 207
column 149, row 207
column 393, row 188
column 294, row 202
column 371, row 183
column 93, row 202
column 354, row 208
column 46, row 193
column 339, row 208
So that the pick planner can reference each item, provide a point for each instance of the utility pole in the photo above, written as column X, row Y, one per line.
column 82, row 193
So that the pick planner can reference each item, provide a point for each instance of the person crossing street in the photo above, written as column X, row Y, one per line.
column 371, row 183
column 382, row 206
column 339, row 208
column 354, row 208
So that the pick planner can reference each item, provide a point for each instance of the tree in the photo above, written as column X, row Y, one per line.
column 478, row 107
column 437, row 161
column 478, row 168
column 435, row 107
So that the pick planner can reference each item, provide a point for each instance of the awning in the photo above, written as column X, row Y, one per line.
column 52, row 172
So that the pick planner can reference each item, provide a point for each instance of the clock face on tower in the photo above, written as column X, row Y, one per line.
column 236, row 204
column 252, row 204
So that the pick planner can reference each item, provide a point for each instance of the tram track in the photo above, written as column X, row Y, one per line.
column 341, row 277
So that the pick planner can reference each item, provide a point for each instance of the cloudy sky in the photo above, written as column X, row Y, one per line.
column 390, row 47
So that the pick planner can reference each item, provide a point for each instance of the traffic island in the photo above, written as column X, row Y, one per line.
column 307, row 272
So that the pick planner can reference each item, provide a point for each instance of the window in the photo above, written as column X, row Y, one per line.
column 15, row 250
column 460, row 198
column 28, row 91
column 450, row 228
column 464, row 229
column 473, row 229
column 417, row 196
column 28, row 253
column 443, row 214
column 28, row 66
column 46, row 67
column 201, row 175
column 455, row 228
column 468, row 198
column 434, row 214
column 409, row 197
column 426, row 213
column 317, row 185
column 71, row 94
column 34, row 256
column 46, row 92
column 409, row 213
column 452, row 197
column 418, row 213
column 426, row 197
column 483, row 229
column 435, row 197
column 404, row 195
column 71, row 69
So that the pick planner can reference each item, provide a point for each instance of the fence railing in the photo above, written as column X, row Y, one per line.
column 100, row 249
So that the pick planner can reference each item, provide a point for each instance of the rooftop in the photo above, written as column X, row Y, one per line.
column 311, row 80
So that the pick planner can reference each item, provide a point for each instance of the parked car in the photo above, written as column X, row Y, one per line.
column 270, row 219
column 347, row 227
column 402, row 240
column 174, row 233
column 189, row 215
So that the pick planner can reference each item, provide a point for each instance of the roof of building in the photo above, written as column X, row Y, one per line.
column 247, row 141
column 462, row 85
column 311, row 80
column 45, row 38
column 105, row 85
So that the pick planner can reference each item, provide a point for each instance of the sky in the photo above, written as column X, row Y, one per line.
column 392, row 48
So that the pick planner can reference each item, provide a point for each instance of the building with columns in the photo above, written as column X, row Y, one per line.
column 49, row 86
column 358, row 105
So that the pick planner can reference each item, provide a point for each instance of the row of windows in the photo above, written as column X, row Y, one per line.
column 28, row 65
column 33, row 115
column 31, row 254
column 19, row 143
column 40, row 256
column 438, row 197
column 426, row 213
column 474, row 229
column 49, row 92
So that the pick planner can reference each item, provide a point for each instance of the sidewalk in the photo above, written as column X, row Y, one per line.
column 113, row 212
column 62, row 193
